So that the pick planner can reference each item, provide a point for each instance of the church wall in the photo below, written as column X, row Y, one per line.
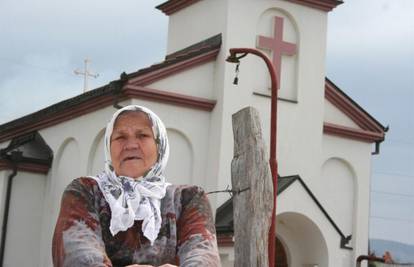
column 195, row 23
column 66, row 167
column 24, row 221
column 4, row 174
column 333, row 115
column 180, row 166
column 309, row 236
column 337, row 187
column 357, row 156
column 226, row 256
column 297, row 122
column 197, row 81
column 96, row 160
column 307, row 233
column 288, row 87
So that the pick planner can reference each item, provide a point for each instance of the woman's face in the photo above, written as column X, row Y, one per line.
column 133, row 147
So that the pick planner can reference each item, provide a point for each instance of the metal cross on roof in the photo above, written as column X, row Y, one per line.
column 85, row 74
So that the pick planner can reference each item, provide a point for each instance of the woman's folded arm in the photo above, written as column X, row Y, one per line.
column 197, row 244
column 77, row 239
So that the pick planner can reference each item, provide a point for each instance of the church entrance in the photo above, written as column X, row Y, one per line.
column 281, row 257
column 299, row 241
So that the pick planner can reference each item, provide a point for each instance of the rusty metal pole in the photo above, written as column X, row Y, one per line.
column 273, row 134
column 368, row 258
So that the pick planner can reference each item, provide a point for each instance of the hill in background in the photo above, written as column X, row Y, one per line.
column 401, row 253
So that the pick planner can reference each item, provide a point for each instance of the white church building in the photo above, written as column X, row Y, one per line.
column 326, row 141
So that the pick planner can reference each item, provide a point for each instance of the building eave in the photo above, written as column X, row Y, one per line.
column 25, row 167
column 324, row 5
column 351, row 133
column 370, row 129
column 172, row 6
column 352, row 109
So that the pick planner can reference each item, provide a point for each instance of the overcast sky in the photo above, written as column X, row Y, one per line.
column 370, row 57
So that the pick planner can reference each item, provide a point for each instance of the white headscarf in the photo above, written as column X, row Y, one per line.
column 136, row 199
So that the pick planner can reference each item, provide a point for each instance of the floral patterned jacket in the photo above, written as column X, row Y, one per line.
column 82, row 237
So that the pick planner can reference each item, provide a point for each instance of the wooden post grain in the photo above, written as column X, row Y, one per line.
column 252, row 209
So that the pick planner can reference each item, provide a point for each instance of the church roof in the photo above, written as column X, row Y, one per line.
column 370, row 129
column 211, row 44
column 128, row 86
column 371, row 123
column 224, row 213
column 28, row 153
column 171, row 6
column 132, row 85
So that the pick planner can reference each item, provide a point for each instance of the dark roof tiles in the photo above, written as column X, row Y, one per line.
column 194, row 50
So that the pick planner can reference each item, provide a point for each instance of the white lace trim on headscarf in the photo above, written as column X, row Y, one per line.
column 136, row 199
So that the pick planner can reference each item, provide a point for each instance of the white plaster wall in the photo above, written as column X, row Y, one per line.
column 226, row 256
column 296, row 200
column 24, row 222
column 195, row 23
column 358, row 156
column 299, row 125
column 309, row 246
column 333, row 115
column 180, row 164
column 96, row 155
column 197, row 81
column 337, row 187
column 66, row 165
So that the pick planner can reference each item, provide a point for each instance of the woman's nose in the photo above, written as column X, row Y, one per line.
column 132, row 143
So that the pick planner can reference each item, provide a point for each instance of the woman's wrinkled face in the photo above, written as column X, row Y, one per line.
column 133, row 147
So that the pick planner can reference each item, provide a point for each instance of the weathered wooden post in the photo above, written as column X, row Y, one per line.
column 252, row 208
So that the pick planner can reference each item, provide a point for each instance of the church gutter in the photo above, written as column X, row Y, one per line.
column 6, row 209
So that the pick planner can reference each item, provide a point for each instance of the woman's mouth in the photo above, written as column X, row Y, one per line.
column 131, row 158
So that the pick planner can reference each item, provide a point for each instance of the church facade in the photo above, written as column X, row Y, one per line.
column 325, row 139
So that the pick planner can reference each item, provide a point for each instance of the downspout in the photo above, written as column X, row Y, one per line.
column 378, row 143
column 12, row 159
column 118, row 85
column 377, row 148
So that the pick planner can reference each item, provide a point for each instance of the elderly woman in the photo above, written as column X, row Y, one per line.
column 129, row 215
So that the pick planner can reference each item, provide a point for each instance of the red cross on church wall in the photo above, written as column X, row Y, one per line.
column 277, row 46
